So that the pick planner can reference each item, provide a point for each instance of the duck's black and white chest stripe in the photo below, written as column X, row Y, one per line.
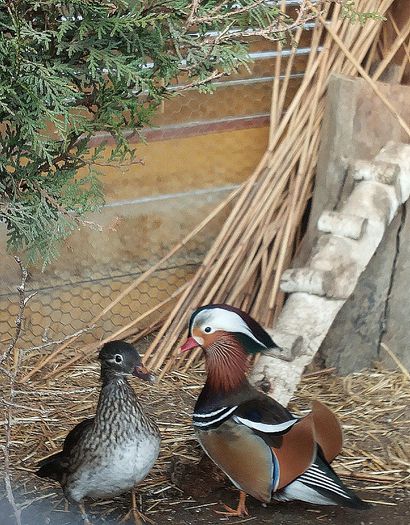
column 213, row 418
column 207, row 420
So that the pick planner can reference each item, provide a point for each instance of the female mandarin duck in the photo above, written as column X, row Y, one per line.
column 264, row 450
column 113, row 451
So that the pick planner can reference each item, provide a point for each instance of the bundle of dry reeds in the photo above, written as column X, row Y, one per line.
column 262, row 233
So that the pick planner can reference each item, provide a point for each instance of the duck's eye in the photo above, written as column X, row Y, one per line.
column 207, row 329
column 118, row 358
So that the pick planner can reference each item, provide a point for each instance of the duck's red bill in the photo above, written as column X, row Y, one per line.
column 144, row 374
column 189, row 344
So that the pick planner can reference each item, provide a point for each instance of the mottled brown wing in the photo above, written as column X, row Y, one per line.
column 296, row 452
column 76, row 435
column 328, row 432
column 244, row 457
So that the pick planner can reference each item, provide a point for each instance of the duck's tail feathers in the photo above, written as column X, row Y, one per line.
column 320, row 485
column 51, row 467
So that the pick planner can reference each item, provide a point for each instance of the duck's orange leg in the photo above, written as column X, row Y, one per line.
column 241, row 509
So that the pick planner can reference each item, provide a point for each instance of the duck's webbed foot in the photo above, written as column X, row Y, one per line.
column 240, row 511
column 139, row 517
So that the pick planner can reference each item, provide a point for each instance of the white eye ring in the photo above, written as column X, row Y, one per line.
column 118, row 358
column 207, row 329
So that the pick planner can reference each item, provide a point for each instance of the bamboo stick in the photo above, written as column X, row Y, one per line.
column 285, row 81
column 274, row 116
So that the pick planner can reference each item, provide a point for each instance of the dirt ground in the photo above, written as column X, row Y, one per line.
column 189, row 511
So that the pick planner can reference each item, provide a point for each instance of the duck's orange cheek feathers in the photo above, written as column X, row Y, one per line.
column 207, row 340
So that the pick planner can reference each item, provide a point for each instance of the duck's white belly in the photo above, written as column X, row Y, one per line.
column 117, row 472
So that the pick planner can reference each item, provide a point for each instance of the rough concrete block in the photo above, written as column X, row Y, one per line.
column 356, row 126
column 337, row 147
column 353, row 341
column 396, row 334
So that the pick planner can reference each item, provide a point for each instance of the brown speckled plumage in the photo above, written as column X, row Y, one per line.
column 115, row 450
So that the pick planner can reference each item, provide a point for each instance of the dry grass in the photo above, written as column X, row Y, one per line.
column 372, row 405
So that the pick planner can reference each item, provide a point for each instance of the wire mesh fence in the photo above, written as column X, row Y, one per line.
column 58, row 311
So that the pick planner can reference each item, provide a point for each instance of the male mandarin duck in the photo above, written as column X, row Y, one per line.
column 113, row 451
column 263, row 448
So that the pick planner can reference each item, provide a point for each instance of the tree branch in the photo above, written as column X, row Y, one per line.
column 22, row 304
column 12, row 374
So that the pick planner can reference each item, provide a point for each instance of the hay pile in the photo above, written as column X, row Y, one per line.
column 374, row 407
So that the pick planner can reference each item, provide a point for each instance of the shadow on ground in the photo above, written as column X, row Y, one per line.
column 189, row 511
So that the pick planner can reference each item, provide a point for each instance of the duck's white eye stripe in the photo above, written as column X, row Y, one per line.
column 221, row 319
